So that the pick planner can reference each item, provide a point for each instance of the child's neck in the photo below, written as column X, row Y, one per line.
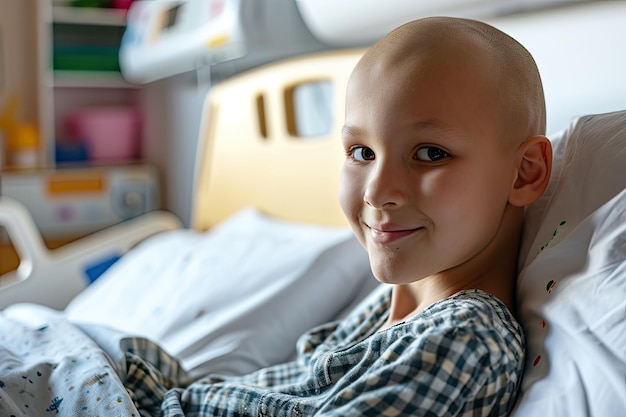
column 493, row 271
column 407, row 300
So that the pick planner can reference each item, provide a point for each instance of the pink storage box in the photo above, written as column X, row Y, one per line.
column 109, row 133
column 121, row 4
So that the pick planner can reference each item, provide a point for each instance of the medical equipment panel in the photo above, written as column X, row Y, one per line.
column 75, row 202
column 169, row 37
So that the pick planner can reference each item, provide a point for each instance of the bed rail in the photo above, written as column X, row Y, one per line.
column 54, row 277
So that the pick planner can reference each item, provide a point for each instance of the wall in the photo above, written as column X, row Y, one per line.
column 581, row 54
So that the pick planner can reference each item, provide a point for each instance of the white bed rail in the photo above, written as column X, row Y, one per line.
column 54, row 277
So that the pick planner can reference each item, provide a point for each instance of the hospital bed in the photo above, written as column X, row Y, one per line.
column 269, row 254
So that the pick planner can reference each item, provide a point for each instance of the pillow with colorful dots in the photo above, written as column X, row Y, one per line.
column 572, row 277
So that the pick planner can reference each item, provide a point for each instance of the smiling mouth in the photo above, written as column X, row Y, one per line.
column 388, row 236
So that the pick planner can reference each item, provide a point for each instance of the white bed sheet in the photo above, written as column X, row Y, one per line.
column 235, row 298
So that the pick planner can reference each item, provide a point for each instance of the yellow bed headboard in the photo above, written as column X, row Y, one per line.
column 252, row 152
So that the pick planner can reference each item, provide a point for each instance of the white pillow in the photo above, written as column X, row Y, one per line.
column 233, row 299
column 572, row 281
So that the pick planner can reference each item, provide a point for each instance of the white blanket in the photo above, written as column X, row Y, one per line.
column 48, row 366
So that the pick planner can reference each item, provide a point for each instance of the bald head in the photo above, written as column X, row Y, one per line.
column 491, row 68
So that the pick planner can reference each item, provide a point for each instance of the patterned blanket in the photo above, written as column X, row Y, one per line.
column 49, row 366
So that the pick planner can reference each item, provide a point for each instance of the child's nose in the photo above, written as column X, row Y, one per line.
column 384, row 187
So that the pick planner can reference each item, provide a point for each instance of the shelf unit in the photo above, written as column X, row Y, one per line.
column 75, row 87
column 54, row 69
column 88, row 16
column 30, row 30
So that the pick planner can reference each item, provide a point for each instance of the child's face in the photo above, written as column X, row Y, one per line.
column 427, row 174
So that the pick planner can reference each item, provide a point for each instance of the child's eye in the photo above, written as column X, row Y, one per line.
column 431, row 154
column 362, row 153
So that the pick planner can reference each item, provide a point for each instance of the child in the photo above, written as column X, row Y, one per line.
column 444, row 147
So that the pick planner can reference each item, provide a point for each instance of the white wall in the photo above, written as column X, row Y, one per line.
column 581, row 55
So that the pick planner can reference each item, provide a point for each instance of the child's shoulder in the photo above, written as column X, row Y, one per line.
column 468, row 310
column 471, row 320
column 475, row 307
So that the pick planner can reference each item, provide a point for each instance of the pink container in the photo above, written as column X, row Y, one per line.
column 109, row 133
column 121, row 4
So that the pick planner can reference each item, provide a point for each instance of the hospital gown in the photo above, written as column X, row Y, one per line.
column 460, row 356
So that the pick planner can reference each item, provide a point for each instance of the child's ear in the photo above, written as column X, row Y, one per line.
column 533, row 171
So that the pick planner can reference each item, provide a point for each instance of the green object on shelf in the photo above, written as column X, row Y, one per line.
column 90, row 3
column 86, row 58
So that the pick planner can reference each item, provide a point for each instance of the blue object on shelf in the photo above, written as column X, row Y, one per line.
column 75, row 152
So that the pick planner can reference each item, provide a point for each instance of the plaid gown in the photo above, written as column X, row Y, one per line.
column 460, row 356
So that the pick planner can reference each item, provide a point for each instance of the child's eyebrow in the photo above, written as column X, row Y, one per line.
column 431, row 126
column 350, row 133
column 348, row 130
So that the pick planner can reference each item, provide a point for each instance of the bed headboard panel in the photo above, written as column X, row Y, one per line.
column 251, row 150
